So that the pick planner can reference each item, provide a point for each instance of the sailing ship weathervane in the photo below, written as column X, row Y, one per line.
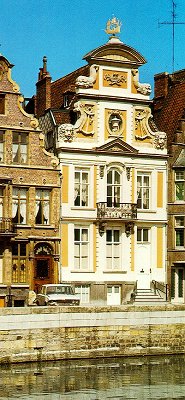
column 113, row 27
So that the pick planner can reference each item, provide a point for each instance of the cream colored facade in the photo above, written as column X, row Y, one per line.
column 114, row 172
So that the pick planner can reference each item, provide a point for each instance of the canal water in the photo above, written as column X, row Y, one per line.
column 116, row 378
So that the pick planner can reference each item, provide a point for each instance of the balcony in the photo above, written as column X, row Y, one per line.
column 6, row 226
column 124, row 211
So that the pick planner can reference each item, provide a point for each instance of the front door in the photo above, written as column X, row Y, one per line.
column 143, row 267
column 43, row 271
column 177, row 285
column 113, row 295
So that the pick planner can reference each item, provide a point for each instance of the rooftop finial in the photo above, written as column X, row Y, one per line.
column 113, row 27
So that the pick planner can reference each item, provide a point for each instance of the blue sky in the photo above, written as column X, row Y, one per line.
column 65, row 30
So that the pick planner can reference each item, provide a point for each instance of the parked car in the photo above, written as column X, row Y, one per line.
column 57, row 294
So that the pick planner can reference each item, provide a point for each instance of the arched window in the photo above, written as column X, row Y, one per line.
column 113, row 188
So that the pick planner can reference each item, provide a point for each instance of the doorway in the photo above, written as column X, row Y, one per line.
column 177, row 285
column 113, row 295
column 43, row 271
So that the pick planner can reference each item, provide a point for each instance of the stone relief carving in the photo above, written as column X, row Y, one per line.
column 115, row 122
column 143, row 88
column 160, row 140
column 66, row 132
column 115, row 79
column 143, row 130
column 87, row 81
column 84, row 123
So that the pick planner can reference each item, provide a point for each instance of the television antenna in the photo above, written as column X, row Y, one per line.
column 173, row 23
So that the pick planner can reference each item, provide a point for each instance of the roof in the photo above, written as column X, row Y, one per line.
column 65, row 84
column 117, row 52
column 172, row 111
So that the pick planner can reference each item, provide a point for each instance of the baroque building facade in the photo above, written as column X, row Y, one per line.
column 169, row 114
column 29, row 199
column 113, row 162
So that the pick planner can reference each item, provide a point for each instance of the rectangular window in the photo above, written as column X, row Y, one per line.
column 83, row 291
column 19, row 147
column 142, row 235
column 113, row 249
column 143, row 191
column 1, row 146
column 19, row 263
column 81, row 190
column 42, row 210
column 19, row 205
column 180, row 185
column 81, row 249
column 2, row 103
column 179, row 231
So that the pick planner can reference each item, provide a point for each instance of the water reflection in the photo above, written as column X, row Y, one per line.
column 118, row 378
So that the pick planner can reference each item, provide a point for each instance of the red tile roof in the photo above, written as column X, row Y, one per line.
column 167, row 119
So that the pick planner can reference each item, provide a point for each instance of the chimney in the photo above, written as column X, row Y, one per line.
column 43, row 90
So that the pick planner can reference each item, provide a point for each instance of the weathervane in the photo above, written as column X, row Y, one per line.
column 173, row 23
column 113, row 27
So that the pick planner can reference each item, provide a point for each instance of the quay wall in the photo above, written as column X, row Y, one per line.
column 55, row 333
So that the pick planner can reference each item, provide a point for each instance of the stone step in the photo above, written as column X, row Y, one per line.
column 148, row 296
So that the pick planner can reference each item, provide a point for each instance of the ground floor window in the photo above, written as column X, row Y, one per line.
column 84, row 293
column 19, row 263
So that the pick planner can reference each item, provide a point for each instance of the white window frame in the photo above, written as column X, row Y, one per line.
column 113, row 251
column 116, row 188
column 142, row 230
column 19, row 204
column 79, row 187
column 43, row 204
column 81, row 249
column 142, row 189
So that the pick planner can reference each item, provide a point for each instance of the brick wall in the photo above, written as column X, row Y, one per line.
column 31, row 334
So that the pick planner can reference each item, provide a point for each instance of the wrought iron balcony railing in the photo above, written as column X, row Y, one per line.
column 6, row 225
column 126, row 211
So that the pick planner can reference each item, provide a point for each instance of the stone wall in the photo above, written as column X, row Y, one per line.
column 52, row 333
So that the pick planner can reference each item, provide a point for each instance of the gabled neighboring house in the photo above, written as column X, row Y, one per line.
column 169, row 115
column 113, row 162
column 29, row 199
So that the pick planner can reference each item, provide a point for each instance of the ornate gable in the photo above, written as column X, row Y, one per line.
column 117, row 146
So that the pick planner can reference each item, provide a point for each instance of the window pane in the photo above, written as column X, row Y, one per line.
column 180, row 191
column 179, row 175
column 77, row 235
column 145, row 235
column 116, row 236
column 139, row 234
column 180, row 283
column 109, row 235
column 179, row 237
column 179, row 221
column 109, row 177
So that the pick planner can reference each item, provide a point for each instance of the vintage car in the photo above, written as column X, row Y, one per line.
column 57, row 294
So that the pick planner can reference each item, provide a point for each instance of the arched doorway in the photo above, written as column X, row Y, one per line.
column 43, row 268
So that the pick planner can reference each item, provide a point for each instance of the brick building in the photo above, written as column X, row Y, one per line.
column 169, row 115
column 29, row 199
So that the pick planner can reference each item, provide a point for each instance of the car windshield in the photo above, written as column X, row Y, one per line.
column 60, row 290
